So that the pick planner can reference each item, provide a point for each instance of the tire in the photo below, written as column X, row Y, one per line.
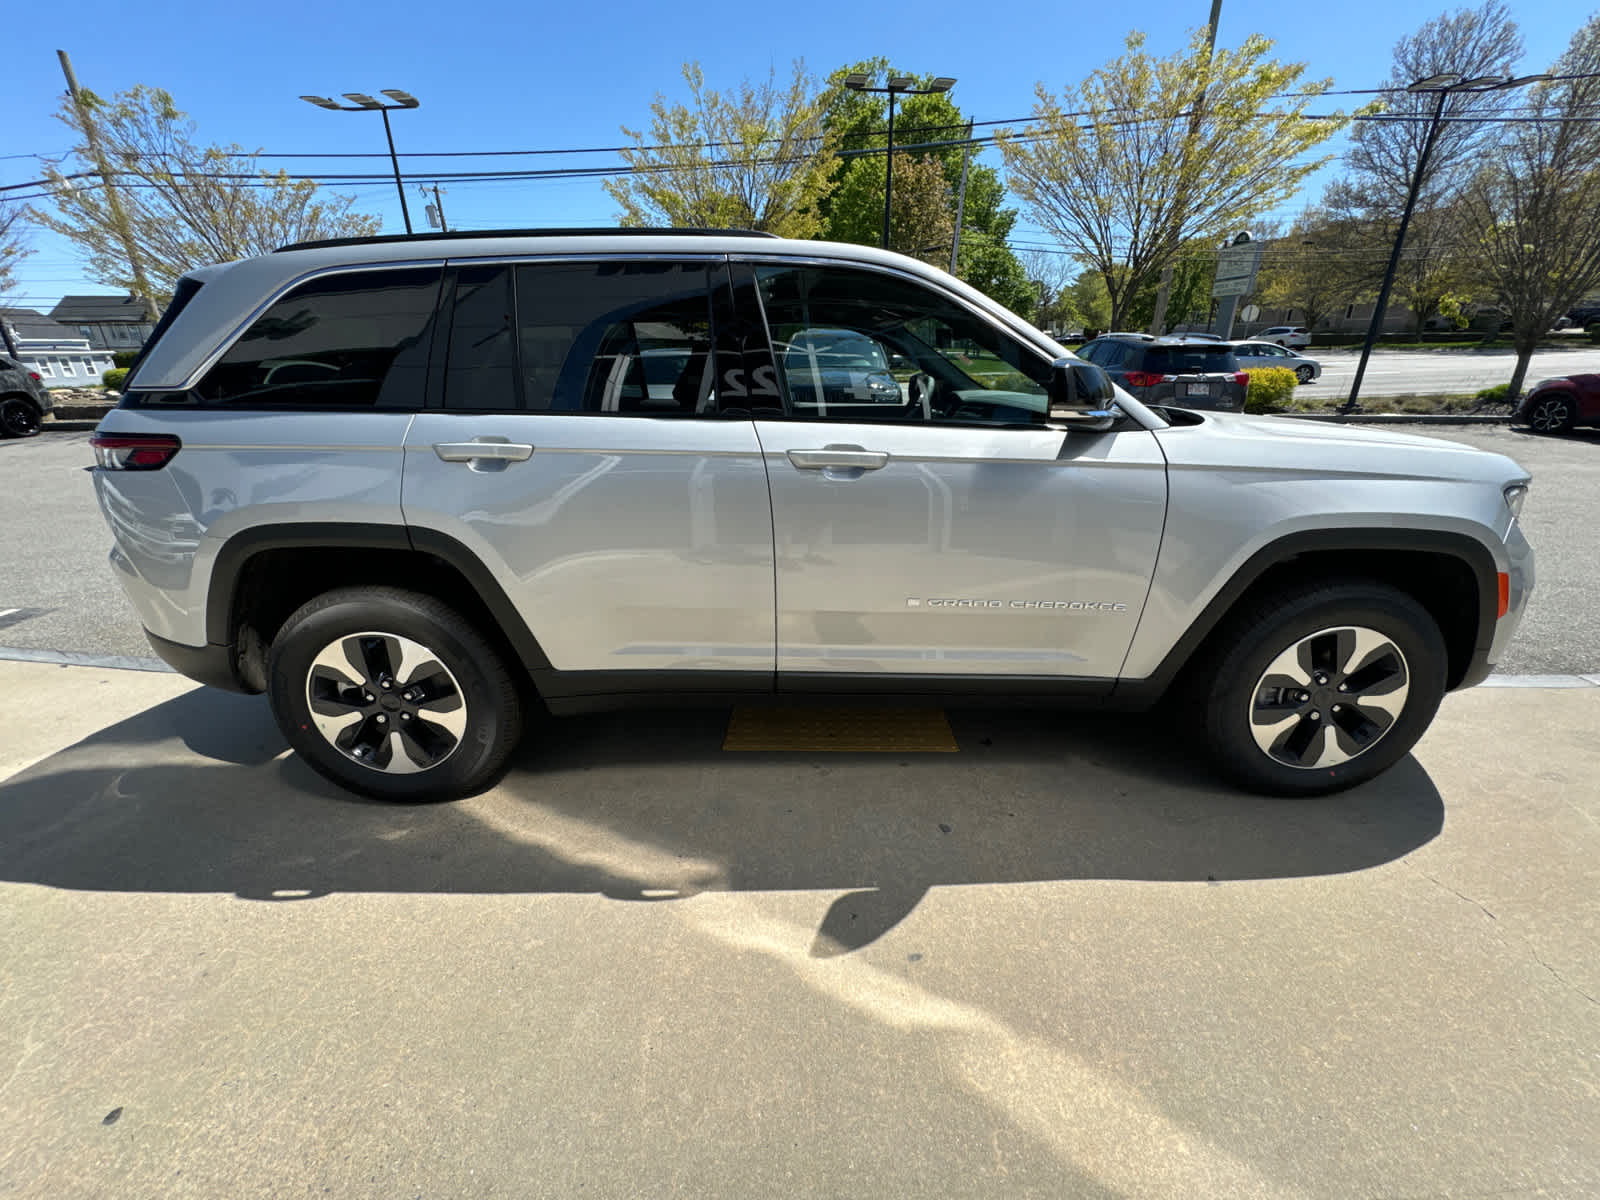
column 1256, row 667
column 1304, row 374
column 19, row 417
column 1553, row 412
column 442, row 725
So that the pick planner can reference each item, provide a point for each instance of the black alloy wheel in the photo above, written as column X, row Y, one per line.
column 19, row 417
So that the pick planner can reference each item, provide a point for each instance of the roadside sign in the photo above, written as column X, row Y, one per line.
column 1236, row 268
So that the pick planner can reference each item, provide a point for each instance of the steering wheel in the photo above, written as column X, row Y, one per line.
column 923, row 389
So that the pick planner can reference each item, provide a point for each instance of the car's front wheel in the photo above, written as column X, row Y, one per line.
column 1318, row 688
column 1304, row 374
column 393, row 694
column 19, row 417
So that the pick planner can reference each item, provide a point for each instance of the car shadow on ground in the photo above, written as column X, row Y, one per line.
column 197, row 795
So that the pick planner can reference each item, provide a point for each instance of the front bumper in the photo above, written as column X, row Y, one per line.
column 210, row 664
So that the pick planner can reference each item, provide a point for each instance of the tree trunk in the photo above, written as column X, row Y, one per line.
column 1525, row 344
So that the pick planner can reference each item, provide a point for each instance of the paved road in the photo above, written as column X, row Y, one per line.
column 53, row 548
column 1436, row 372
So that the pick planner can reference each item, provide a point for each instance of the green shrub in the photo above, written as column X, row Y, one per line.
column 123, row 358
column 114, row 377
column 1270, row 388
column 1499, row 393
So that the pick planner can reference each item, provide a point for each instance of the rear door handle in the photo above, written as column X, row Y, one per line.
column 496, row 451
column 839, row 456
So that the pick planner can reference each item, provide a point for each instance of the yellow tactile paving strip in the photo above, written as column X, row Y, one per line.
column 885, row 730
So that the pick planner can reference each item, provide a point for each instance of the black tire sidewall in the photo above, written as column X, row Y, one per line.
column 1304, row 374
column 492, row 722
column 1228, row 698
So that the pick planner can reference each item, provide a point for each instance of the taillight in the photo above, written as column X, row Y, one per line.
column 1143, row 378
column 1242, row 378
column 134, row 451
column 35, row 376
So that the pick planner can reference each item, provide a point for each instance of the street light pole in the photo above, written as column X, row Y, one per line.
column 899, row 85
column 366, row 103
column 1445, row 85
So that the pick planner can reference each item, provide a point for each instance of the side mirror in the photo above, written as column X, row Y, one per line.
column 1081, row 395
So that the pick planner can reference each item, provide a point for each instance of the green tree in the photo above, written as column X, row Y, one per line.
column 1092, row 300
column 12, row 248
column 186, row 205
column 1537, row 201
column 1149, row 153
column 854, row 211
column 757, row 156
column 1321, row 266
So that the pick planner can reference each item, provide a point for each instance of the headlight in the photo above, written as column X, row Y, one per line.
column 1515, row 494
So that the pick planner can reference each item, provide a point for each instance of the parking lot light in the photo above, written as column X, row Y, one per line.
column 898, row 85
column 361, row 102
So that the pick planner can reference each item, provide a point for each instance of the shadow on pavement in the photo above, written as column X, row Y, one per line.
column 197, row 795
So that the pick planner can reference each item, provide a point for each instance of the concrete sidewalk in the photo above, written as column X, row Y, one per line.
column 1063, row 961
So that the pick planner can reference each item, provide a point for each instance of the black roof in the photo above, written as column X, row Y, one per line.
column 465, row 234
column 71, row 309
column 26, row 323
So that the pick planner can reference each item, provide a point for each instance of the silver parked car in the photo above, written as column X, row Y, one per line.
column 408, row 486
column 1255, row 356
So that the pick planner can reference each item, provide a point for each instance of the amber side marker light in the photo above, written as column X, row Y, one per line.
column 1505, row 593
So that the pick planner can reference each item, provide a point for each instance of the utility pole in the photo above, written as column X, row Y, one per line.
column 119, row 216
column 434, row 211
column 1163, row 293
column 961, row 197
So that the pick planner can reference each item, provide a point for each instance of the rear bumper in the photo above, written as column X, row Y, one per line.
column 210, row 664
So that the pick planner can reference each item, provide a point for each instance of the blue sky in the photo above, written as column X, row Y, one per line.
column 507, row 76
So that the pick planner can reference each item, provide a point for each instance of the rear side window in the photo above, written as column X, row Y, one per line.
column 631, row 338
column 622, row 337
column 1189, row 360
column 353, row 340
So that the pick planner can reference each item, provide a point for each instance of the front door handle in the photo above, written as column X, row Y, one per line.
column 495, row 450
column 839, row 456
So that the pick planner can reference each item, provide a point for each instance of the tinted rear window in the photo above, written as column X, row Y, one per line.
column 1178, row 360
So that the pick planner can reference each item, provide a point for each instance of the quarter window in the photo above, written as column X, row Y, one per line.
column 356, row 340
column 865, row 346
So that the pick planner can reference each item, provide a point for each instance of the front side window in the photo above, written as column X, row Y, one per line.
column 854, row 345
column 354, row 340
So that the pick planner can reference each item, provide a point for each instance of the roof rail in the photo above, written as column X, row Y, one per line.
column 465, row 234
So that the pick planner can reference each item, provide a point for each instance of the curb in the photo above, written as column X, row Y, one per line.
column 1397, row 418
column 69, row 426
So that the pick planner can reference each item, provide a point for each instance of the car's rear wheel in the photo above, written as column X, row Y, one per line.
column 1318, row 688
column 19, row 417
column 393, row 694
column 1551, row 413
column 1304, row 374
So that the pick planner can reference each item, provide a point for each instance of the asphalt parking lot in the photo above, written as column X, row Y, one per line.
column 1061, row 961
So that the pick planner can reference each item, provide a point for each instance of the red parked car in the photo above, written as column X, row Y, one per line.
column 1556, row 405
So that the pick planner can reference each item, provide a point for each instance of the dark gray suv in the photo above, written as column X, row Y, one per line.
column 23, row 399
column 1182, row 372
